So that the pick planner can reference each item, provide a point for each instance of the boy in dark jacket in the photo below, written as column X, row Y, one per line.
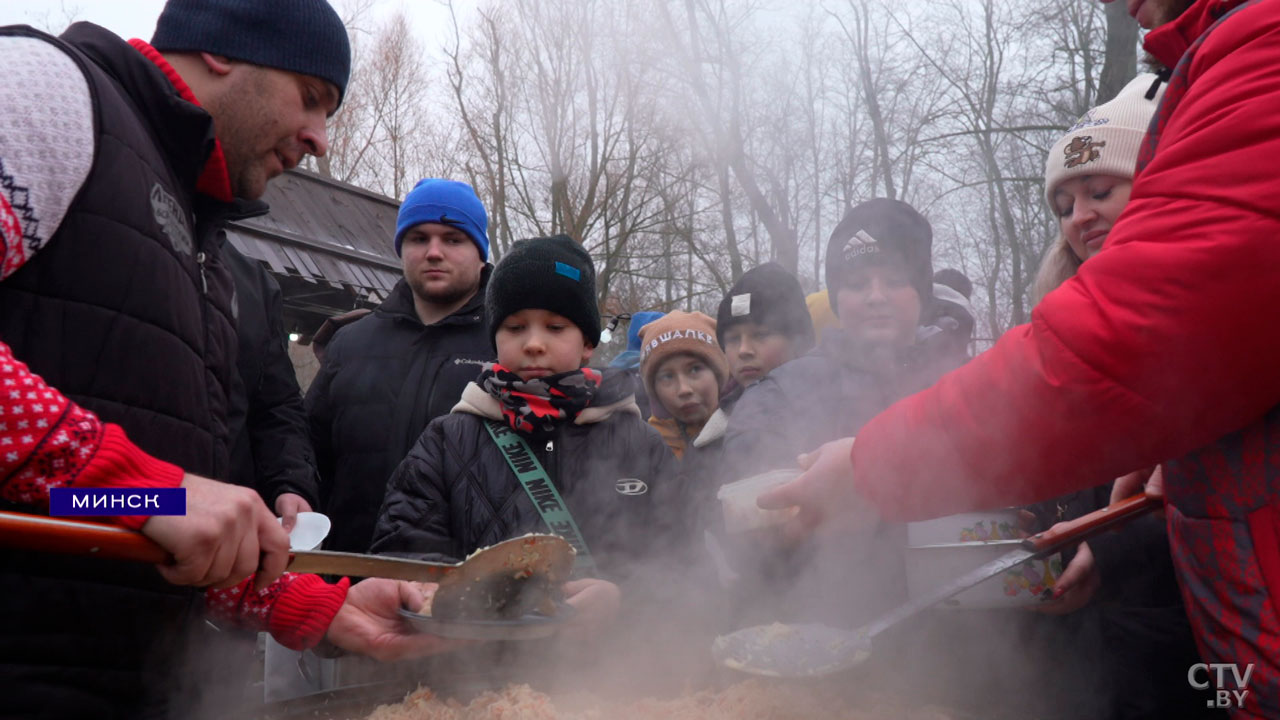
column 762, row 323
column 879, row 271
column 683, row 370
column 456, row 491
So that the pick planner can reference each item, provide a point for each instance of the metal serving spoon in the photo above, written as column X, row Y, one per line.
column 812, row 650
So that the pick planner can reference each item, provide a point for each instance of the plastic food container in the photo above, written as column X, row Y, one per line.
column 986, row 526
column 738, row 500
column 1026, row 585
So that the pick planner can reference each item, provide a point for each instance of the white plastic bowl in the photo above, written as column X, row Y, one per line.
column 311, row 530
column 1026, row 585
column 738, row 500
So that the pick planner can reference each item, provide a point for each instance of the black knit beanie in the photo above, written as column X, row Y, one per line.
column 769, row 295
column 302, row 36
column 955, row 280
column 877, row 230
column 546, row 273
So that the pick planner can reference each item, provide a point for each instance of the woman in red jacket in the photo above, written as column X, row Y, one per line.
column 1161, row 349
column 1124, row 581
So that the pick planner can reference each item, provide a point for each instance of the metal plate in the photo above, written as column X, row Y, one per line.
column 530, row 627
column 791, row 651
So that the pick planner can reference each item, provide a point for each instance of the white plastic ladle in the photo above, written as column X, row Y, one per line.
column 311, row 530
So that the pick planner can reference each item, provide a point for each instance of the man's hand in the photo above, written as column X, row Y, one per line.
column 596, row 603
column 369, row 622
column 1076, row 586
column 288, row 505
column 824, row 493
column 226, row 535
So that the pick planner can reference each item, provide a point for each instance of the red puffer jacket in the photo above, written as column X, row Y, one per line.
column 1164, row 345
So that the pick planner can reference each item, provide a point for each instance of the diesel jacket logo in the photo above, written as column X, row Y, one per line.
column 631, row 486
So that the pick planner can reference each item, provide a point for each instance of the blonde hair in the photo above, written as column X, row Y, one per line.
column 1059, row 264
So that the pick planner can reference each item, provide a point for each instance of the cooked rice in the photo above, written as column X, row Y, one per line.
column 750, row 700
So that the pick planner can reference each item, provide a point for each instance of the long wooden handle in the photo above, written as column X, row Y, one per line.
column 78, row 537
column 1086, row 526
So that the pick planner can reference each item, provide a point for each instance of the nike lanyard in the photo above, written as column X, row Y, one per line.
column 542, row 492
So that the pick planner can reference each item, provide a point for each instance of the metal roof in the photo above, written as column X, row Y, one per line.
column 324, row 232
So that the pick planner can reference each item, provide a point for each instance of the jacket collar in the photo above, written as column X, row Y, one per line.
column 399, row 304
column 1169, row 42
column 183, row 131
column 234, row 211
column 214, row 179
column 713, row 429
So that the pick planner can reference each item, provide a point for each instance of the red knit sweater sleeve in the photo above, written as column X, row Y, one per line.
column 47, row 441
column 296, row 609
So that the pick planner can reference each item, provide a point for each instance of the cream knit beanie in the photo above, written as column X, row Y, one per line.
column 1106, row 140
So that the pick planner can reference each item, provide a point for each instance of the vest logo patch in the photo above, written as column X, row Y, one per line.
column 631, row 486
column 172, row 220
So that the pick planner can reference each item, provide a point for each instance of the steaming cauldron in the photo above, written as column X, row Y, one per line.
column 842, row 693
column 364, row 684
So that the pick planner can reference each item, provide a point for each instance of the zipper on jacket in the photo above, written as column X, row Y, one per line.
column 204, row 280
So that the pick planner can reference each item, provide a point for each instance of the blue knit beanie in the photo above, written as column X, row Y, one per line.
column 447, row 202
column 638, row 321
column 302, row 36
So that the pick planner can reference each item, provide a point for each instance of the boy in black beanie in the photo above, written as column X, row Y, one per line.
column 763, row 322
column 540, row 410
column 949, row 323
column 880, row 278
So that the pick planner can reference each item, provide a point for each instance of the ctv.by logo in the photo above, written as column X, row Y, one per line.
column 1223, row 697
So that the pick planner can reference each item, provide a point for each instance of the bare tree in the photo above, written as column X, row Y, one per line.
column 486, row 117
column 683, row 141
column 1120, row 62
column 710, row 54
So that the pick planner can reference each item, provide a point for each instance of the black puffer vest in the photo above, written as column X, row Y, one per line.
column 126, row 310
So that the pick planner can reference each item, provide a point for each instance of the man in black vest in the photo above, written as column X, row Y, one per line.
column 118, row 342
column 388, row 374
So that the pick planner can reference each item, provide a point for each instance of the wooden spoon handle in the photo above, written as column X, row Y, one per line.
column 1086, row 526
column 78, row 537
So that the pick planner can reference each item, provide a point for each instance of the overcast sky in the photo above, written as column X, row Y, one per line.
column 137, row 18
